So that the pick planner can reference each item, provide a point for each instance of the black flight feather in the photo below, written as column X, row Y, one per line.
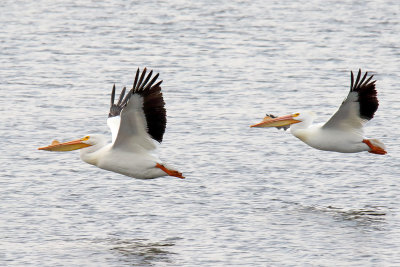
column 367, row 95
column 115, row 109
column 145, row 81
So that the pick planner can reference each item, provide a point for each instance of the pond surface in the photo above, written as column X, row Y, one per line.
column 252, row 197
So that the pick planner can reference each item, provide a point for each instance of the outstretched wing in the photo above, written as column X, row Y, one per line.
column 139, row 118
column 358, row 107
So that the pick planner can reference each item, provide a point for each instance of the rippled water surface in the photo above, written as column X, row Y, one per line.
column 252, row 197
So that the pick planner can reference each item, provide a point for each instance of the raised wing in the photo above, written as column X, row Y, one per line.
column 142, row 114
column 358, row 107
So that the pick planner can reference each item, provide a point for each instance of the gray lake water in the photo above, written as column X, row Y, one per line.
column 252, row 197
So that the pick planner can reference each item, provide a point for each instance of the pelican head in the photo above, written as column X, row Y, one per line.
column 87, row 141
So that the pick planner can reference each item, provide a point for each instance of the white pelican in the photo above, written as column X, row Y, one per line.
column 137, row 123
column 343, row 132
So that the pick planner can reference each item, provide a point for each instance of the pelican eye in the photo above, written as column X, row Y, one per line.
column 296, row 114
column 85, row 138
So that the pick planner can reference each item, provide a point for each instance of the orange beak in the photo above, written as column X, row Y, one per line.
column 276, row 122
column 67, row 146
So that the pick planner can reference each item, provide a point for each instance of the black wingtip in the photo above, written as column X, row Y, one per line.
column 136, row 78
column 121, row 96
column 141, row 79
column 367, row 94
column 352, row 81
column 367, row 81
column 113, row 95
column 150, row 84
column 115, row 109
column 359, row 83
column 357, row 79
column 143, row 85
column 158, row 84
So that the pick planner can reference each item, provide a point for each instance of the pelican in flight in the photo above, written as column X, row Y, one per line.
column 137, row 123
column 343, row 132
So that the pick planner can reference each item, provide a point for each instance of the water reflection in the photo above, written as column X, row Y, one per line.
column 366, row 216
column 253, row 199
column 142, row 252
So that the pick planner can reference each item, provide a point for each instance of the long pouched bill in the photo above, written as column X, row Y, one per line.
column 276, row 122
column 67, row 146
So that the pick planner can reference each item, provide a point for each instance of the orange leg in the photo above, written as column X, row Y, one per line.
column 170, row 172
column 374, row 149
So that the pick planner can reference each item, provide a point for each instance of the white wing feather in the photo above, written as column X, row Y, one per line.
column 113, row 124
column 132, row 133
column 348, row 115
